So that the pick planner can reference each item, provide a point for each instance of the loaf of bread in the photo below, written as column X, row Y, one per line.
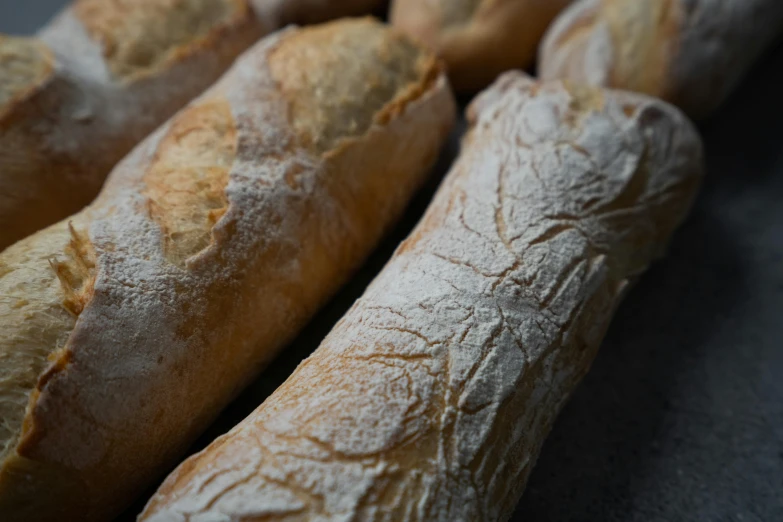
column 692, row 53
column 103, row 75
column 126, row 328
column 478, row 39
column 431, row 398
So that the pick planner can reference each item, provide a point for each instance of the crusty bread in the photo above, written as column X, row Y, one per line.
column 127, row 327
column 478, row 39
column 692, row 53
column 431, row 398
column 103, row 75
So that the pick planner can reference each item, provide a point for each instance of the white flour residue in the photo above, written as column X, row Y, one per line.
column 431, row 398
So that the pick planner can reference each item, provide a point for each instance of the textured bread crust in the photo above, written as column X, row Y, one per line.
column 326, row 109
column 691, row 53
column 431, row 398
column 142, row 37
column 37, row 313
column 186, row 181
column 119, row 69
column 127, row 327
column 478, row 39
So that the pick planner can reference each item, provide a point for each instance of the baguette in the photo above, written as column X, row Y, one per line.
column 478, row 39
column 692, row 53
column 127, row 327
column 431, row 398
column 104, row 74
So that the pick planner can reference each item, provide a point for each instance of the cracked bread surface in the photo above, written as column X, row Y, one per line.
column 430, row 399
column 210, row 246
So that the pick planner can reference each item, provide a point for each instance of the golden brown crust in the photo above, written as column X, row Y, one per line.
column 25, row 65
column 478, row 39
column 141, row 37
column 643, row 50
column 77, row 273
column 46, row 284
column 689, row 52
column 186, row 182
column 330, row 75
column 172, row 326
column 643, row 39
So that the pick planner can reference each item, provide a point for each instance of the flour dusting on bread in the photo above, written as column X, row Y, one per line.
column 140, row 37
column 431, row 397
column 210, row 246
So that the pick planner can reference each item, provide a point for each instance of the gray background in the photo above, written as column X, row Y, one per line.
column 681, row 417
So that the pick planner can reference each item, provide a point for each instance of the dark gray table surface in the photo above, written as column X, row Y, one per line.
column 681, row 417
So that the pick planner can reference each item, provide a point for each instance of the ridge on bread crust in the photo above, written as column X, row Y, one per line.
column 77, row 273
column 46, row 281
column 210, row 245
column 431, row 397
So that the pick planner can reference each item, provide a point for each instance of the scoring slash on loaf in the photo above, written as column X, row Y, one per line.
column 692, row 53
column 126, row 328
column 102, row 76
column 478, row 39
column 431, row 398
